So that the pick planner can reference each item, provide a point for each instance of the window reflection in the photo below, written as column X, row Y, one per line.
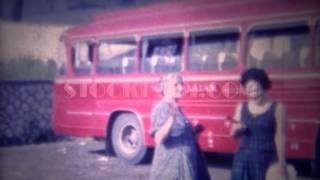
column 116, row 56
column 161, row 54
column 279, row 46
column 214, row 50
column 82, row 58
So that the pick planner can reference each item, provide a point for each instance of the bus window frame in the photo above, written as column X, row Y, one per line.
column 92, row 57
column 280, row 21
column 210, row 31
column 162, row 35
column 134, row 38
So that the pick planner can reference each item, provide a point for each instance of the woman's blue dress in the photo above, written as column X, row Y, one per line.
column 257, row 149
column 177, row 157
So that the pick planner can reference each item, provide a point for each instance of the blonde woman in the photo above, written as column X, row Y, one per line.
column 176, row 156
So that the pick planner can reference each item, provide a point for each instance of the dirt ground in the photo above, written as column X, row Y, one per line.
column 83, row 158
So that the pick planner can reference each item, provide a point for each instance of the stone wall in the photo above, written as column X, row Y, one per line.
column 25, row 112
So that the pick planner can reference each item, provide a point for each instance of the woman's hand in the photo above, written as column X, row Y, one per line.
column 237, row 129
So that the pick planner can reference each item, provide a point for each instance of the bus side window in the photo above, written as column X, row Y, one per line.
column 318, row 43
column 82, row 58
column 279, row 46
column 213, row 50
column 161, row 54
column 116, row 56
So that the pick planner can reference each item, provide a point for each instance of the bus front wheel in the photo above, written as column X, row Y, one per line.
column 127, row 139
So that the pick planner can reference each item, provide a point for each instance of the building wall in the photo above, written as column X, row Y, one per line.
column 30, row 29
column 75, row 11
column 23, row 40
column 27, row 49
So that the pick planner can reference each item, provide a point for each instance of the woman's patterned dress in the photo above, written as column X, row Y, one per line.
column 257, row 149
column 177, row 157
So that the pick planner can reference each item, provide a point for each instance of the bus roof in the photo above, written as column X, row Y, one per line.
column 186, row 14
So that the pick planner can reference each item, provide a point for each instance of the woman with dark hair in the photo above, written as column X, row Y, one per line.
column 177, row 156
column 260, row 122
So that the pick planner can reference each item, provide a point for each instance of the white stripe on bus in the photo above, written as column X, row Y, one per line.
column 197, row 117
column 84, row 113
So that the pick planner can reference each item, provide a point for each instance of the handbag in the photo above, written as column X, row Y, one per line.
column 273, row 170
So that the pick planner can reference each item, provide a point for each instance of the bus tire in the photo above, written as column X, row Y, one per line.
column 127, row 139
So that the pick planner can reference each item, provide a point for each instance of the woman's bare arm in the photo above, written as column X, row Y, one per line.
column 237, row 126
column 280, row 116
column 237, row 113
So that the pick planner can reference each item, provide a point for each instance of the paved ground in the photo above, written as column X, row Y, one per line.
column 83, row 158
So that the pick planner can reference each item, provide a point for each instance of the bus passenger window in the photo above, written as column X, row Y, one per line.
column 116, row 56
column 82, row 58
column 161, row 54
column 318, row 43
column 278, row 46
column 214, row 50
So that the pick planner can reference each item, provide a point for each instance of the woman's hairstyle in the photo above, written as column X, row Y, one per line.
column 167, row 78
column 258, row 75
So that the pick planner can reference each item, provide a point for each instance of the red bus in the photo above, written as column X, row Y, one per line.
column 108, row 84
